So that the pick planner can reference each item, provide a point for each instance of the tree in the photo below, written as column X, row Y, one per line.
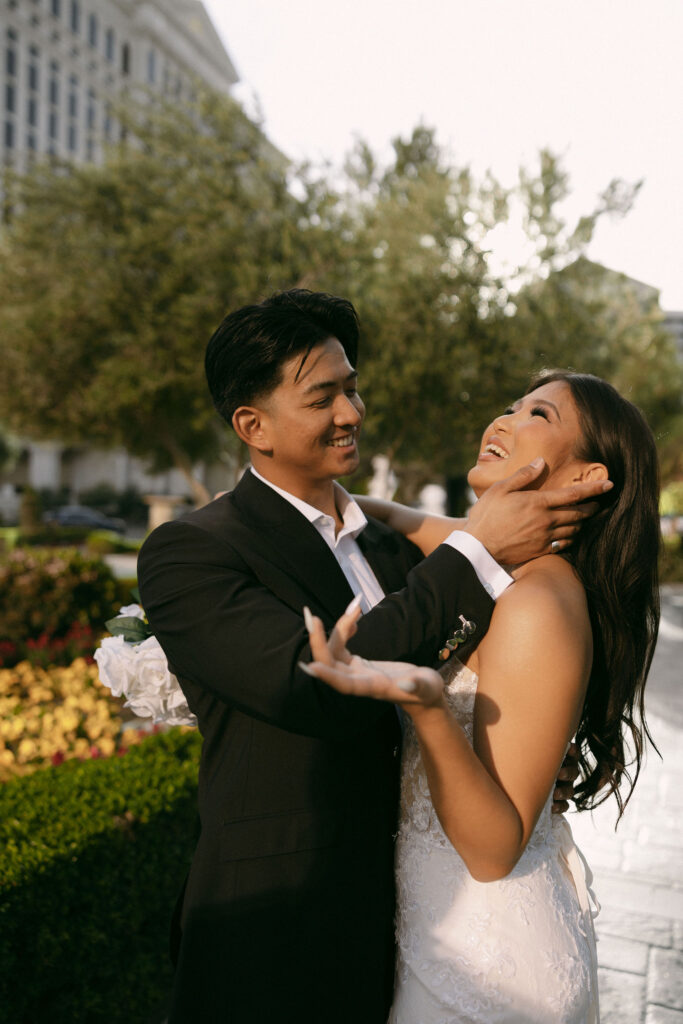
column 448, row 338
column 113, row 277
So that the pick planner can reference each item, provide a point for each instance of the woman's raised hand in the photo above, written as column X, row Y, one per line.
column 397, row 682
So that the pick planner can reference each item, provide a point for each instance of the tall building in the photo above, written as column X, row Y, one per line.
column 64, row 61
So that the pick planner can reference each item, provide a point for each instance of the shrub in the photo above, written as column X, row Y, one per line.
column 92, row 857
column 50, row 535
column 50, row 715
column 106, row 542
column 44, row 593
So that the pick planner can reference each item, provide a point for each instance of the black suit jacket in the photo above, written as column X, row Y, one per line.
column 288, row 909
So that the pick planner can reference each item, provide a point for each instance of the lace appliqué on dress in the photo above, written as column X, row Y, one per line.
column 486, row 953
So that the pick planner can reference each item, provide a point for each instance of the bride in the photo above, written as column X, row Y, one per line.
column 494, row 920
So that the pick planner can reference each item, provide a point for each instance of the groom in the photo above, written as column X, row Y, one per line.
column 287, row 913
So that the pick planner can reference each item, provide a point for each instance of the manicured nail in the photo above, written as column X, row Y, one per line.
column 308, row 619
column 407, row 685
column 354, row 604
column 305, row 668
column 608, row 485
column 538, row 461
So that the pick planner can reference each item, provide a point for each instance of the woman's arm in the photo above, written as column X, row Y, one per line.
column 533, row 667
column 422, row 528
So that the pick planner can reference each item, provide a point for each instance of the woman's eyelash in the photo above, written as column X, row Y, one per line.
column 537, row 410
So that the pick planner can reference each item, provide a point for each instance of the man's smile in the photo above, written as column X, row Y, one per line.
column 343, row 442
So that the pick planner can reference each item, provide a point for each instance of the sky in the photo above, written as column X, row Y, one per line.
column 599, row 82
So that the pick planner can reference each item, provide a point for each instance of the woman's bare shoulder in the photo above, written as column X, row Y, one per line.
column 546, row 604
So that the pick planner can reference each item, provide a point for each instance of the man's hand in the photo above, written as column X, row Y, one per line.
column 567, row 776
column 515, row 524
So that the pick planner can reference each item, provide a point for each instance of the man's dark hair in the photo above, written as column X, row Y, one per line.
column 246, row 352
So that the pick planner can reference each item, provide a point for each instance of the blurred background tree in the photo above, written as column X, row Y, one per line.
column 113, row 278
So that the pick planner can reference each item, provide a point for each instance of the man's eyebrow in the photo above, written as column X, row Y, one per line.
column 323, row 385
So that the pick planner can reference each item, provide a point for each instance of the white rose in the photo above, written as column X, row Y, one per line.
column 132, row 611
column 139, row 672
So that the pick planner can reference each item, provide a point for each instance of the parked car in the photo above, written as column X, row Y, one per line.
column 81, row 515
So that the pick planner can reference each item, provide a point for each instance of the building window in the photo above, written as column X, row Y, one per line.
column 93, row 30
column 56, row 8
column 108, row 125
column 73, row 96
column 10, row 98
column 92, row 110
column 72, row 138
column 54, row 84
column 109, row 45
column 125, row 58
column 53, row 125
column 151, row 66
column 33, row 77
column 32, row 112
column 75, row 16
column 31, row 142
column 11, row 61
column 9, row 135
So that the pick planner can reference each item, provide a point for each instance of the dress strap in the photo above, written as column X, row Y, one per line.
column 590, row 908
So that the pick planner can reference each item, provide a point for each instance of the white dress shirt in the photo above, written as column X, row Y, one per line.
column 353, row 562
column 343, row 546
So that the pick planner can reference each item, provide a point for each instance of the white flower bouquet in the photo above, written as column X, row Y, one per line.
column 132, row 664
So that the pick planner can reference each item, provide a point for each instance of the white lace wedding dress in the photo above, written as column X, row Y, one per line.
column 519, row 950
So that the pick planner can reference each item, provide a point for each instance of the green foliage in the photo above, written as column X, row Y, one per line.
column 47, row 535
column 671, row 501
column 449, row 339
column 115, row 276
column 106, row 542
column 93, row 855
column 671, row 560
column 30, row 512
column 43, row 593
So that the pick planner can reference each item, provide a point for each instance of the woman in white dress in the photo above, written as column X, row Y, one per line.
column 494, row 920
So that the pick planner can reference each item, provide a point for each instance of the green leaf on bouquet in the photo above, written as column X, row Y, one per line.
column 135, row 594
column 133, row 630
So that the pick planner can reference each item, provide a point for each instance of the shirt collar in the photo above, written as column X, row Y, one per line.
column 352, row 515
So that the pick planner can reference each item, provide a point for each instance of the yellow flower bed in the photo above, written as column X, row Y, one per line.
column 50, row 715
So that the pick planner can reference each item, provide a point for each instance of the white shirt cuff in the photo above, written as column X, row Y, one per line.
column 492, row 576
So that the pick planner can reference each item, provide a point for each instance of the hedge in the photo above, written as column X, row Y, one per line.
column 92, row 857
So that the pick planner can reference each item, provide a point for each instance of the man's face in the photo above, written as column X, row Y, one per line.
column 311, row 421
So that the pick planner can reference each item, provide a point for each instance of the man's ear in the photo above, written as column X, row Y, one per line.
column 251, row 426
column 591, row 471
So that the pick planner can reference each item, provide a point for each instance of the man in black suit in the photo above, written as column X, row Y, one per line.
column 287, row 914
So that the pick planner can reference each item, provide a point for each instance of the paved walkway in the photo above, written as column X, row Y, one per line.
column 639, row 869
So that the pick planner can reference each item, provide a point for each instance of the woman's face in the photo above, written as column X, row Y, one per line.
column 544, row 423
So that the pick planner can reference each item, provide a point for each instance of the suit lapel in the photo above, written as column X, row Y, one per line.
column 387, row 561
column 293, row 543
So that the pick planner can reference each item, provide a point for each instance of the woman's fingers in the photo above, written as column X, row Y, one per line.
column 319, row 645
column 361, row 679
column 329, row 651
column 344, row 629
